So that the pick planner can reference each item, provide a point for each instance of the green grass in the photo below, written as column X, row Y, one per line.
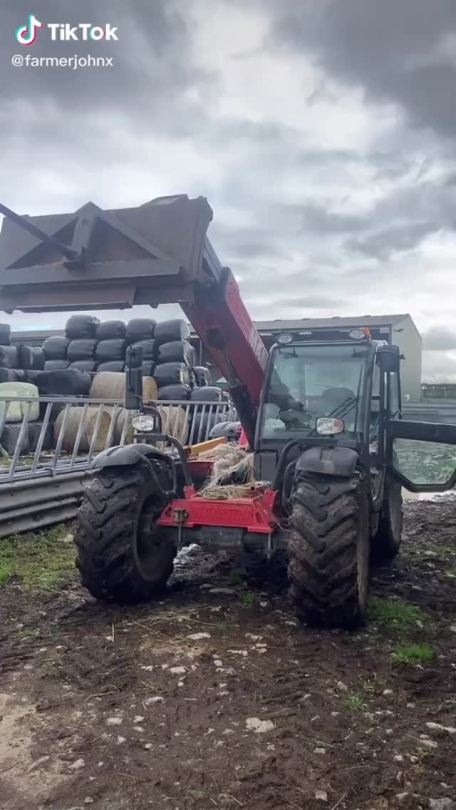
column 414, row 654
column 248, row 599
column 395, row 613
column 39, row 561
column 355, row 702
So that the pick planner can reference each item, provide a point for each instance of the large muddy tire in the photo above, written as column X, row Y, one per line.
column 387, row 539
column 328, row 551
column 122, row 554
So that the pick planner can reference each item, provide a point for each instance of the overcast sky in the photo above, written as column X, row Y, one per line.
column 322, row 133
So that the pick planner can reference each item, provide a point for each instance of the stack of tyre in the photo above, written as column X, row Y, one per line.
column 14, row 360
column 111, row 346
column 66, row 365
column 174, row 360
column 13, row 384
column 140, row 335
column 31, row 384
column 76, row 349
column 178, row 378
column 8, row 353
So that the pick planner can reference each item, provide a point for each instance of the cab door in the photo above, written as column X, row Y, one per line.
column 422, row 455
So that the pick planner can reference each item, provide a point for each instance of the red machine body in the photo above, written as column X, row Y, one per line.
column 253, row 512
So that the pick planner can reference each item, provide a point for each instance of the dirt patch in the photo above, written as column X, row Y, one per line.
column 215, row 697
column 24, row 780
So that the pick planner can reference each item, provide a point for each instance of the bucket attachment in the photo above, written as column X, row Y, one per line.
column 94, row 259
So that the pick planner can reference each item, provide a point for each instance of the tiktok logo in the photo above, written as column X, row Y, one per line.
column 26, row 34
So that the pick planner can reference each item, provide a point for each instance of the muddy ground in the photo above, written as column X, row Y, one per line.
column 215, row 697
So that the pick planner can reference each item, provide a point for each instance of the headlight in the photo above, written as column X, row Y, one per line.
column 144, row 423
column 285, row 339
column 327, row 426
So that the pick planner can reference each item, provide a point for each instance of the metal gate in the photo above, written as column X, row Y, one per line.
column 55, row 440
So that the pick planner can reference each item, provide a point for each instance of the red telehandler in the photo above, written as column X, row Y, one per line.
column 322, row 417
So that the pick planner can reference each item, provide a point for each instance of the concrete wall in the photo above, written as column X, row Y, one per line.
column 409, row 342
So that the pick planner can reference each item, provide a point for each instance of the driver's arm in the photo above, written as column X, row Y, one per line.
column 285, row 401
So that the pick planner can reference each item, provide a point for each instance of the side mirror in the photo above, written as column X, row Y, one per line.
column 134, row 381
column 388, row 358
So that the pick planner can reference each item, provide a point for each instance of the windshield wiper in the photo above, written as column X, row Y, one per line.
column 341, row 410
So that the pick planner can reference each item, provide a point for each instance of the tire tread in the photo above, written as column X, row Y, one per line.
column 107, row 520
column 323, row 552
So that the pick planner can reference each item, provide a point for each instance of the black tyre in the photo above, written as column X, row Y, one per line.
column 387, row 539
column 30, row 358
column 81, row 349
column 55, row 348
column 122, row 555
column 8, row 375
column 171, row 374
column 228, row 430
column 140, row 329
column 83, row 365
column 112, row 349
column 148, row 349
column 8, row 357
column 209, row 393
column 81, row 326
column 180, row 392
column 53, row 382
column 148, row 368
column 56, row 365
column 328, row 551
column 176, row 351
column 111, row 329
column 167, row 331
column 111, row 365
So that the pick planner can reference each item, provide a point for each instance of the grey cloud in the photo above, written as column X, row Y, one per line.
column 153, row 64
column 438, row 366
column 306, row 302
column 397, row 223
column 383, row 243
column 245, row 248
column 380, row 47
column 316, row 218
column 439, row 338
column 246, row 243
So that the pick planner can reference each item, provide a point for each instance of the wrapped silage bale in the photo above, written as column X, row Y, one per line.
column 17, row 410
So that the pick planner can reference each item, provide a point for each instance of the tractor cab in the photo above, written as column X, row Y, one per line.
column 325, row 392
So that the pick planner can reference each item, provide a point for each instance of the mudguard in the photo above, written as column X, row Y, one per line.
column 337, row 461
column 127, row 456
